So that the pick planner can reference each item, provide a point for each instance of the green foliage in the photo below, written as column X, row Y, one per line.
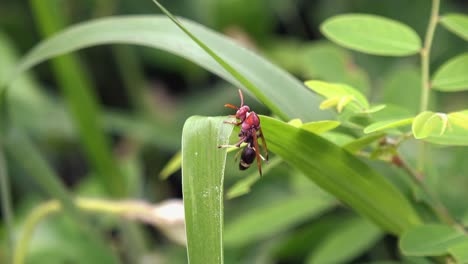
column 451, row 76
column 363, row 154
column 456, row 23
column 372, row 34
column 434, row 240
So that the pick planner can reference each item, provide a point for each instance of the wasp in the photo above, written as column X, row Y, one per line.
column 250, row 131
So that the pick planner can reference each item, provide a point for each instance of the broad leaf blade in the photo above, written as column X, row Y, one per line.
column 320, row 127
column 341, row 174
column 278, row 89
column 202, row 183
column 372, row 34
column 460, row 252
column 457, row 24
column 452, row 76
column 431, row 240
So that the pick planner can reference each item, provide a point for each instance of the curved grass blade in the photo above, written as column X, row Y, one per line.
column 341, row 174
column 202, row 184
column 277, row 89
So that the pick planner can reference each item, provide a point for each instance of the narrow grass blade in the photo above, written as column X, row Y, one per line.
column 340, row 173
column 82, row 101
column 7, row 212
column 202, row 183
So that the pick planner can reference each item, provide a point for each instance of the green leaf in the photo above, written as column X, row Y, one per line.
column 320, row 127
column 426, row 123
column 441, row 128
column 243, row 186
column 202, row 183
column 160, row 32
column 451, row 76
column 372, row 34
column 457, row 24
column 405, row 79
column 388, row 124
column 340, row 173
column 336, row 92
column 460, row 252
column 350, row 239
column 257, row 224
column 362, row 142
column 431, row 240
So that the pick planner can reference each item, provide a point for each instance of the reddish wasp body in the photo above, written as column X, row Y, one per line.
column 249, row 133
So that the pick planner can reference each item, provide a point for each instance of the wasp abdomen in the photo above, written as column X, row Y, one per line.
column 247, row 157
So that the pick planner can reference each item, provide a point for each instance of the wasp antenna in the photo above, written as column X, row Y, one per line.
column 241, row 97
column 231, row 106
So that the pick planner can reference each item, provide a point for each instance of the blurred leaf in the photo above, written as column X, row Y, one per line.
column 29, row 107
column 404, row 80
column 431, row 240
column 160, row 32
column 459, row 118
column 243, row 186
column 441, row 128
column 81, row 100
column 460, row 252
column 297, row 245
column 202, row 183
column 457, row 24
column 27, row 156
column 337, row 138
column 171, row 166
column 451, row 76
column 257, row 224
column 374, row 109
column 325, row 61
column 320, row 127
column 340, row 173
column 362, row 142
column 388, row 124
column 426, row 123
column 372, row 34
column 334, row 91
column 349, row 239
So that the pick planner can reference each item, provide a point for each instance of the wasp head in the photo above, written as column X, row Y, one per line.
column 242, row 112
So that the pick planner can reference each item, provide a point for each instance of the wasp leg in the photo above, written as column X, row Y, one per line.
column 234, row 146
column 257, row 153
column 264, row 143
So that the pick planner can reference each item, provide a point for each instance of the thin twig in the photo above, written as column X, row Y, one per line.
column 425, row 61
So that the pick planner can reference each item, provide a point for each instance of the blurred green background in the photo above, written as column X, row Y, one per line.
column 140, row 98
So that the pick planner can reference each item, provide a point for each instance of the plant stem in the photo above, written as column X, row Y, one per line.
column 425, row 60
column 6, row 203
column 134, row 210
column 436, row 205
